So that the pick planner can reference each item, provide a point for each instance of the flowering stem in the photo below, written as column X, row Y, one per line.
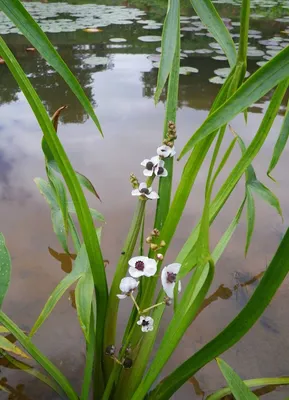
column 121, row 269
column 135, row 303
column 154, row 306
column 141, row 242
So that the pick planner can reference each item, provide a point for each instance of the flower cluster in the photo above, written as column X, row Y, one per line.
column 145, row 266
column 155, row 166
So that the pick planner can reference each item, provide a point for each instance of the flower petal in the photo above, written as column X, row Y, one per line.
column 135, row 273
column 147, row 172
column 174, row 268
column 169, row 289
column 144, row 162
column 121, row 296
column 155, row 160
column 173, row 152
column 165, row 173
column 161, row 163
column 142, row 185
column 135, row 192
column 133, row 260
column 152, row 196
column 128, row 284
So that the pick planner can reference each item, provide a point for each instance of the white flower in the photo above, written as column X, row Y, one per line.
column 143, row 190
column 127, row 286
column 166, row 151
column 150, row 165
column 169, row 277
column 146, row 323
column 160, row 170
column 142, row 266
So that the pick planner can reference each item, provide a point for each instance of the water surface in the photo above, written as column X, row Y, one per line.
column 121, row 86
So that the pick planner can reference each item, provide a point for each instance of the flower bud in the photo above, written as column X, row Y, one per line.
column 154, row 246
column 160, row 257
column 127, row 363
column 168, row 301
column 170, row 144
column 155, row 232
column 163, row 243
column 110, row 350
column 149, row 239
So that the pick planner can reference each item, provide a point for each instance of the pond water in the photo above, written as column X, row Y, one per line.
column 117, row 66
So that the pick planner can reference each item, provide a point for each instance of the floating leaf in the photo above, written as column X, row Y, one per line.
column 188, row 70
column 150, row 38
column 92, row 30
column 117, row 40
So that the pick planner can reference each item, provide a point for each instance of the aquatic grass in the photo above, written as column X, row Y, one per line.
column 130, row 371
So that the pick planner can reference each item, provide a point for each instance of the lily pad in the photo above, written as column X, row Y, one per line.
column 218, row 80
column 188, row 70
column 220, row 58
column 117, row 40
column 95, row 61
column 150, row 38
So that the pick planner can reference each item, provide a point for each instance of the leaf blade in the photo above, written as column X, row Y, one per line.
column 237, row 386
column 5, row 269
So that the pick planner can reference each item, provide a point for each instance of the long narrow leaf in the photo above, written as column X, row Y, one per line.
column 78, row 198
column 269, row 284
column 170, row 39
column 80, row 267
column 25, row 341
column 33, row 372
column 237, row 386
column 210, row 17
column 31, row 30
column 281, row 142
column 83, row 299
column 260, row 83
column 220, row 394
column 6, row 345
column 250, row 218
column 5, row 269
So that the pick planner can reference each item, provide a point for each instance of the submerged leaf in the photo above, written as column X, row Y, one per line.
column 6, row 345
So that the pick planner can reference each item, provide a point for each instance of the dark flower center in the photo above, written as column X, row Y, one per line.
column 139, row 265
column 149, row 166
column 160, row 170
column 145, row 323
column 171, row 277
column 145, row 191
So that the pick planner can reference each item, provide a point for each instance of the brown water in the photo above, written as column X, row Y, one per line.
column 122, row 93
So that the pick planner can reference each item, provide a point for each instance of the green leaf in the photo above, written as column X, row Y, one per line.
column 220, row 394
column 33, row 372
column 80, row 267
column 56, row 214
column 237, row 386
column 17, row 13
column 250, row 218
column 94, row 213
column 211, row 19
column 261, row 297
column 260, row 83
column 86, row 183
column 5, row 269
column 6, row 345
column 264, row 193
column 281, row 142
column 84, row 293
column 26, row 343
column 60, row 195
column 190, row 303
column 241, row 167
column 170, row 39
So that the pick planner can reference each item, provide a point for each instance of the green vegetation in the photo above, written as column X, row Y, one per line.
column 130, row 372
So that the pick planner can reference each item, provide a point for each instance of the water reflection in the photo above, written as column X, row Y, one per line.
column 122, row 92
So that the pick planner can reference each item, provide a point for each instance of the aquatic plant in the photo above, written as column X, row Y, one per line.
column 123, row 368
